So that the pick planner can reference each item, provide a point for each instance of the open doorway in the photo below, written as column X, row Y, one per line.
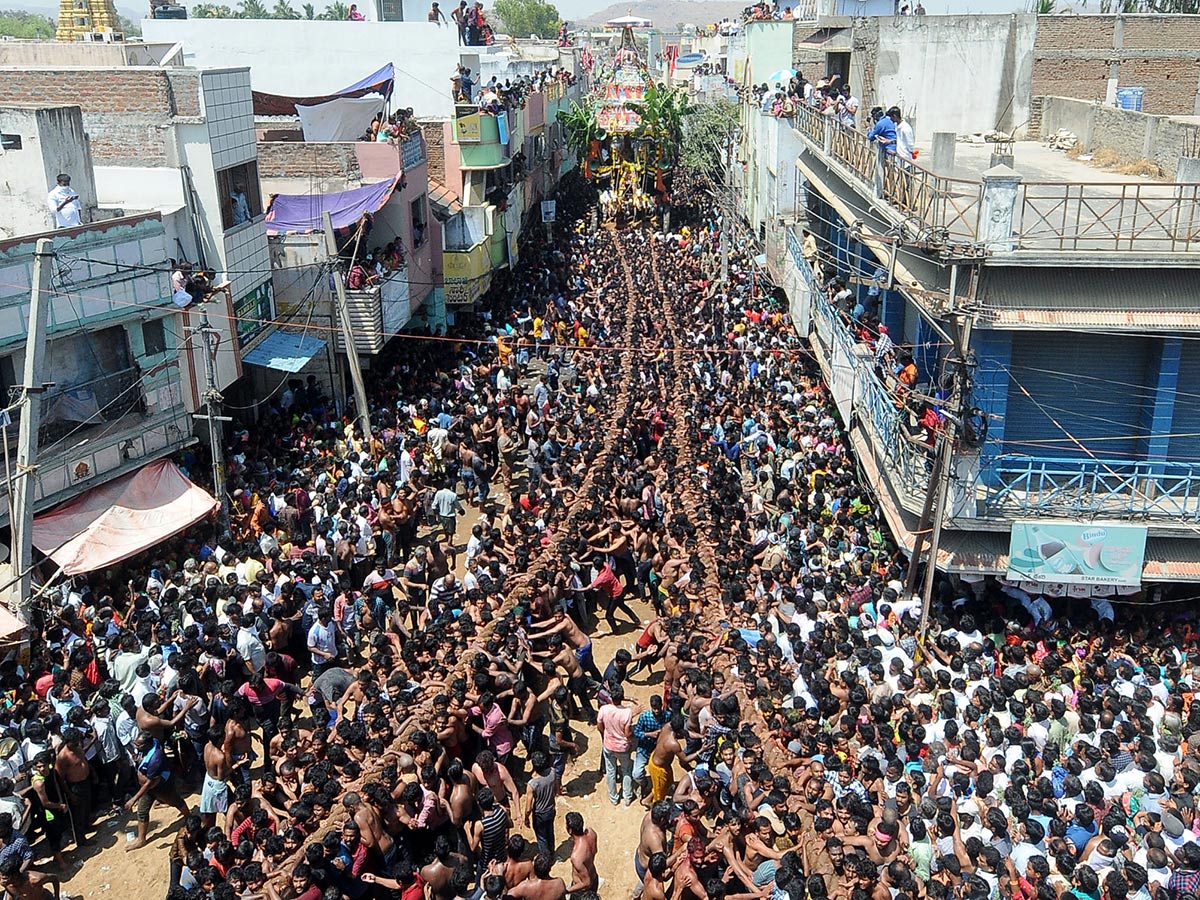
column 838, row 63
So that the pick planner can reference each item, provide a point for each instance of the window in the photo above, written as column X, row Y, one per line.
column 418, row 221
column 154, row 337
column 95, row 381
column 10, row 142
column 239, row 194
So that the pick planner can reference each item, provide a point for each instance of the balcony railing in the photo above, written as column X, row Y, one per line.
column 1052, row 216
column 1021, row 485
column 1137, row 216
column 138, row 427
column 372, row 314
column 1001, row 487
column 853, row 380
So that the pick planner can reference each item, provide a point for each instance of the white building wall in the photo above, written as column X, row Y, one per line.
column 282, row 53
column 226, row 103
column 957, row 73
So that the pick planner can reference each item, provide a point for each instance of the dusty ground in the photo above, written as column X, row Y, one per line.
column 108, row 871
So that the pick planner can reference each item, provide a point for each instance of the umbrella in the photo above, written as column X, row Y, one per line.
column 781, row 76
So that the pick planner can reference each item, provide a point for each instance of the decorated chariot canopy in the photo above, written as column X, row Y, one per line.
column 624, row 83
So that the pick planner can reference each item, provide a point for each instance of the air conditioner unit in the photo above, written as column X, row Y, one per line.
column 104, row 37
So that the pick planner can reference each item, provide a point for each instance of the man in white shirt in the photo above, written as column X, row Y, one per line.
column 905, row 139
column 65, row 209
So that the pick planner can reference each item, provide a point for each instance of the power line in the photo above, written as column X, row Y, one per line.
column 510, row 340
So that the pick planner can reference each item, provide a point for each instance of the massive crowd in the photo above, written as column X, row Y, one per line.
column 369, row 707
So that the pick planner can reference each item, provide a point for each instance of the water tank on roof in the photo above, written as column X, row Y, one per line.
column 1130, row 98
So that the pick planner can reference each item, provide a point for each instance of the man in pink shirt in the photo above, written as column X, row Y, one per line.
column 494, row 731
column 615, row 723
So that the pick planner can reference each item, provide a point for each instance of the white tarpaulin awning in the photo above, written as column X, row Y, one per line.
column 122, row 518
column 343, row 119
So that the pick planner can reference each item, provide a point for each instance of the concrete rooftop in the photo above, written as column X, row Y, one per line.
column 1034, row 161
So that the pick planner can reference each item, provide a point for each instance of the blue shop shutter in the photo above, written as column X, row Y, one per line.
column 1094, row 386
column 1185, row 426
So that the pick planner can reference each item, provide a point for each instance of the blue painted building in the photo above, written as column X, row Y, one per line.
column 1082, row 345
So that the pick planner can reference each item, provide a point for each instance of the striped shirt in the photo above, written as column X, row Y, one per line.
column 493, row 843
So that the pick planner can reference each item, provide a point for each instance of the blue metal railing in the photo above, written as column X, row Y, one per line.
column 1023, row 485
column 906, row 462
column 1004, row 486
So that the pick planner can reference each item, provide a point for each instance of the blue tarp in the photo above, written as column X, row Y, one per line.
column 302, row 213
column 285, row 351
column 379, row 82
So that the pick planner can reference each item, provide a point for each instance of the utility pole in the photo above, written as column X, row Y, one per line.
column 939, row 481
column 31, row 421
column 212, row 398
column 343, row 307
column 935, row 474
column 727, row 206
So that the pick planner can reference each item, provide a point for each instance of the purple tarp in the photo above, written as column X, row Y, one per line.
column 302, row 213
column 379, row 82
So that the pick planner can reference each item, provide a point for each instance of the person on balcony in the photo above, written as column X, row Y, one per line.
column 359, row 278
column 847, row 107
column 884, row 130
column 905, row 139
column 354, row 15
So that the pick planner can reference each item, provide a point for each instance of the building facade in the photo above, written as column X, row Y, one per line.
column 113, row 356
column 1043, row 306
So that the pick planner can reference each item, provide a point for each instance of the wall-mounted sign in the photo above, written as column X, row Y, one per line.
column 253, row 311
column 1069, row 553
column 467, row 129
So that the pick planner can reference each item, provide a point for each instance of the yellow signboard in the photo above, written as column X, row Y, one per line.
column 467, row 129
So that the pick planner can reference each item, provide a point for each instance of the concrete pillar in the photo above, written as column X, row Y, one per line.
column 880, row 158
column 941, row 154
column 998, row 208
column 1188, row 171
column 1187, row 195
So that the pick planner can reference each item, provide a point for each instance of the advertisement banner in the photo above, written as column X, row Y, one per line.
column 467, row 129
column 1069, row 553
column 253, row 310
column 549, row 211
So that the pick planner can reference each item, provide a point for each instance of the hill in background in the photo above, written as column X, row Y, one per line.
column 665, row 14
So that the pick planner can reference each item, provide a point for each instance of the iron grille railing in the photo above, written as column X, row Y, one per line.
column 1156, row 490
column 1148, row 217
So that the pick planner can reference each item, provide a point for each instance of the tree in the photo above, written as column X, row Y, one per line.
column 310, row 11
column 662, row 110
column 128, row 27
column 523, row 18
column 579, row 123
column 18, row 23
column 705, row 135
column 212, row 11
column 335, row 12
column 252, row 9
column 284, row 10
